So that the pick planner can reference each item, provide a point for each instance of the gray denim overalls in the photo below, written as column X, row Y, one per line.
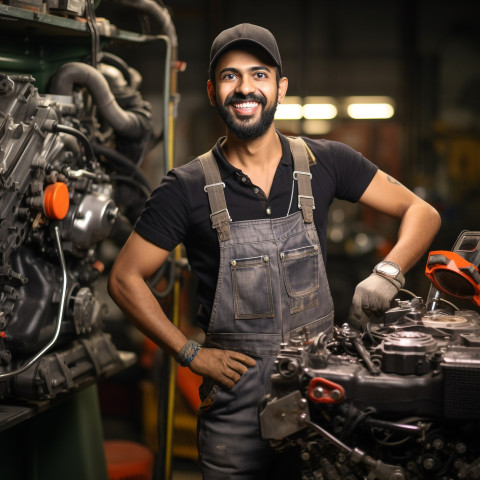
column 271, row 286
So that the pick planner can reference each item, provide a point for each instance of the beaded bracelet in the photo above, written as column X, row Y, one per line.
column 187, row 353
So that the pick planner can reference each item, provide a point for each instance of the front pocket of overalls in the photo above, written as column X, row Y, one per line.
column 252, row 287
column 300, row 269
column 208, row 392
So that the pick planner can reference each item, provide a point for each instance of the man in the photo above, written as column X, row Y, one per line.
column 261, row 267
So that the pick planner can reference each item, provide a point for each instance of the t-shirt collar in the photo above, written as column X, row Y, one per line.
column 226, row 169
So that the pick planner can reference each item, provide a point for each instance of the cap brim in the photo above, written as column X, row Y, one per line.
column 242, row 41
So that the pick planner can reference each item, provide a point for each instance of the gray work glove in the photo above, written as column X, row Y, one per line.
column 373, row 296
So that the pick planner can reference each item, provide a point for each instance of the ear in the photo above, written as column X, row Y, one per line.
column 211, row 93
column 282, row 89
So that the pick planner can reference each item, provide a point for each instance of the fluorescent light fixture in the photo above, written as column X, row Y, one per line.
column 318, row 111
column 289, row 109
column 319, row 108
column 370, row 110
column 310, row 108
column 370, row 107
column 313, row 109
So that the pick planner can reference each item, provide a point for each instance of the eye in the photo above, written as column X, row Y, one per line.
column 229, row 76
column 261, row 75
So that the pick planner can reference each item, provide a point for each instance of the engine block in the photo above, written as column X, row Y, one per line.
column 399, row 401
column 58, row 203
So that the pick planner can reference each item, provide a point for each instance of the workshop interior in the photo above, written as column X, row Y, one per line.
column 98, row 100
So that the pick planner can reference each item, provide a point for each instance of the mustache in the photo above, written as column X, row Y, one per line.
column 251, row 97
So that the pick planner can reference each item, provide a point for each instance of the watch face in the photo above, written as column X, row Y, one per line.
column 388, row 269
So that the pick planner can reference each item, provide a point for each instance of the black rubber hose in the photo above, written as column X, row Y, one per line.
column 120, row 160
column 117, row 62
column 129, row 124
column 131, row 181
column 53, row 126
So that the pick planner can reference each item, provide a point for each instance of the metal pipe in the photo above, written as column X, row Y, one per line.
column 61, row 310
column 404, row 427
column 162, row 16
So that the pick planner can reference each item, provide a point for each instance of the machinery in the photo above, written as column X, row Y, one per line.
column 74, row 130
column 400, row 400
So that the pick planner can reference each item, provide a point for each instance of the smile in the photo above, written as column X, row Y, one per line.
column 246, row 105
column 246, row 108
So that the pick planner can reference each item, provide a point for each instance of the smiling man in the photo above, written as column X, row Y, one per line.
column 251, row 116
column 252, row 216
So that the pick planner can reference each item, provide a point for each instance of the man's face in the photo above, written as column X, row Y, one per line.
column 246, row 93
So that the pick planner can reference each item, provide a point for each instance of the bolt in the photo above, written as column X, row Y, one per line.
column 318, row 392
column 335, row 394
column 438, row 444
column 305, row 456
column 428, row 463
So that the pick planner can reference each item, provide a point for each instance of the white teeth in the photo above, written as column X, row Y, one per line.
column 246, row 105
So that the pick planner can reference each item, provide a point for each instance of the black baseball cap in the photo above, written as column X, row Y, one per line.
column 246, row 34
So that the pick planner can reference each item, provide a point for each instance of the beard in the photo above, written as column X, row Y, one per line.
column 246, row 129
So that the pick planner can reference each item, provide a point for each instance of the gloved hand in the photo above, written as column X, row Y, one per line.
column 373, row 296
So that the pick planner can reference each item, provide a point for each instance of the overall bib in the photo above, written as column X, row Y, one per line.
column 271, row 286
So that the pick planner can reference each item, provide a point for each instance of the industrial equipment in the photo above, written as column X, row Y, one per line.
column 74, row 130
column 398, row 401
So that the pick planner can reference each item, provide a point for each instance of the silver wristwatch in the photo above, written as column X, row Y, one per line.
column 390, row 270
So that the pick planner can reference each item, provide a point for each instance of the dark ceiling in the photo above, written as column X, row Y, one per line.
column 425, row 54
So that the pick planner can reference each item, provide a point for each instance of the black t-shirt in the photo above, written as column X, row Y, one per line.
column 178, row 210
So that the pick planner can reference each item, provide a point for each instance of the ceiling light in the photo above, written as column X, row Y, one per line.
column 319, row 108
column 370, row 107
column 289, row 111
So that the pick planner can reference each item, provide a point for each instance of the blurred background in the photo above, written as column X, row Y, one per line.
column 420, row 57
column 423, row 56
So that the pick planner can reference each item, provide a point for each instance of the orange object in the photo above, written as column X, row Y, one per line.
column 56, row 201
column 128, row 460
column 452, row 274
column 188, row 384
column 321, row 390
column 149, row 350
column 99, row 266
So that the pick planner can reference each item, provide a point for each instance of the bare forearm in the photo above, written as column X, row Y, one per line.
column 418, row 228
column 137, row 302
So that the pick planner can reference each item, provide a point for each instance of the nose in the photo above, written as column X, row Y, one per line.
column 245, row 85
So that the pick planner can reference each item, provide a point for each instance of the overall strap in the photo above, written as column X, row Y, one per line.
column 214, row 186
column 301, row 173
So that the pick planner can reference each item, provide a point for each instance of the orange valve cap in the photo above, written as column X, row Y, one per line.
column 56, row 201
